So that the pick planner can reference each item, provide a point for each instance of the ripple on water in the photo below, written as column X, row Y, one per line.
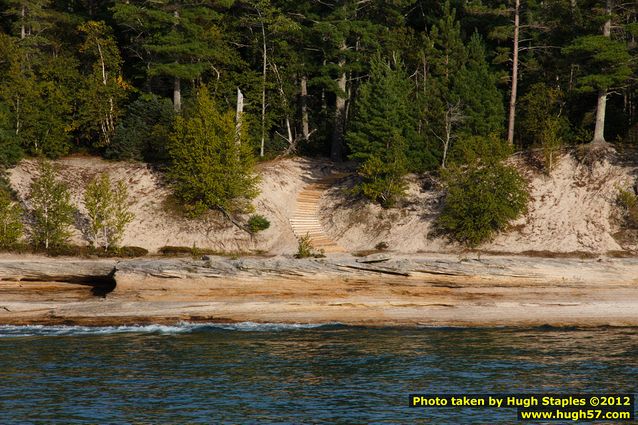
column 273, row 373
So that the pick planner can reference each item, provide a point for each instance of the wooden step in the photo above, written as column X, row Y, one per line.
column 305, row 220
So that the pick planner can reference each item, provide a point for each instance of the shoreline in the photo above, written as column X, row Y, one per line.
column 421, row 290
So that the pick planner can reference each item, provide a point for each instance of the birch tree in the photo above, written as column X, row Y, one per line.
column 51, row 209
column 107, row 208
column 104, row 86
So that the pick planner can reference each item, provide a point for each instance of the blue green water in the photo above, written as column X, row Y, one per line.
column 253, row 374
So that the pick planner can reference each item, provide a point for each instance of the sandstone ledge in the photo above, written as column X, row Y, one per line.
column 419, row 290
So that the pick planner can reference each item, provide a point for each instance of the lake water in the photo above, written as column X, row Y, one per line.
column 252, row 374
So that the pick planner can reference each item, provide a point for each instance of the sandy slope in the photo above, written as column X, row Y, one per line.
column 155, row 226
column 570, row 210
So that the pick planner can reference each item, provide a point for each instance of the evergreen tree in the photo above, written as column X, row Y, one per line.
column 383, row 124
column 211, row 165
column 476, row 89
column 604, row 64
column 177, row 40
column 143, row 132
column 442, row 111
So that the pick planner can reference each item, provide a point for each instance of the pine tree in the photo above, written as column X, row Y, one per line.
column 51, row 209
column 380, row 130
column 211, row 167
column 604, row 62
column 177, row 40
column 441, row 109
column 476, row 89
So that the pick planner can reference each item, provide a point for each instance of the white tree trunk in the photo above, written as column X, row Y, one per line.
column 23, row 30
column 305, row 124
column 177, row 95
column 336, row 149
column 601, row 106
column 264, row 69
column 238, row 115
column 512, row 106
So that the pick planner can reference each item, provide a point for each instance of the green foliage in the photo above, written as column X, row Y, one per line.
column 103, row 88
column 131, row 251
column 195, row 252
column 475, row 86
column 65, row 76
column 382, row 178
column 606, row 62
column 107, row 209
column 383, row 123
column 479, row 149
column 628, row 203
column 51, row 209
column 37, row 94
column 183, row 41
column 305, row 249
column 551, row 142
column 257, row 223
column 211, row 168
column 144, row 132
column 11, row 228
column 480, row 201
column 541, row 124
column 10, row 150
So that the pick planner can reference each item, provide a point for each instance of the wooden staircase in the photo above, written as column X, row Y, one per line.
column 305, row 220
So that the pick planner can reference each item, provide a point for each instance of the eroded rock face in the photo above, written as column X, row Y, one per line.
column 56, row 270
column 433, row 290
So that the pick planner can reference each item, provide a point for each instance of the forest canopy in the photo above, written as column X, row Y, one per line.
column 202, row 89
column 108, row 77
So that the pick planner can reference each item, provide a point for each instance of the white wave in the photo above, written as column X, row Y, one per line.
column 62, row 330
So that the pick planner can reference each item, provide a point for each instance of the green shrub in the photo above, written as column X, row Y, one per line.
column 175, row 250
column 551, row 142
column 472, row 149
column 381, row 246
column 257, row 223
column 480, row 201
column 628, row 202
column 11, row 228
column 306, row 250
column 65, row 250
column 131, row 251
